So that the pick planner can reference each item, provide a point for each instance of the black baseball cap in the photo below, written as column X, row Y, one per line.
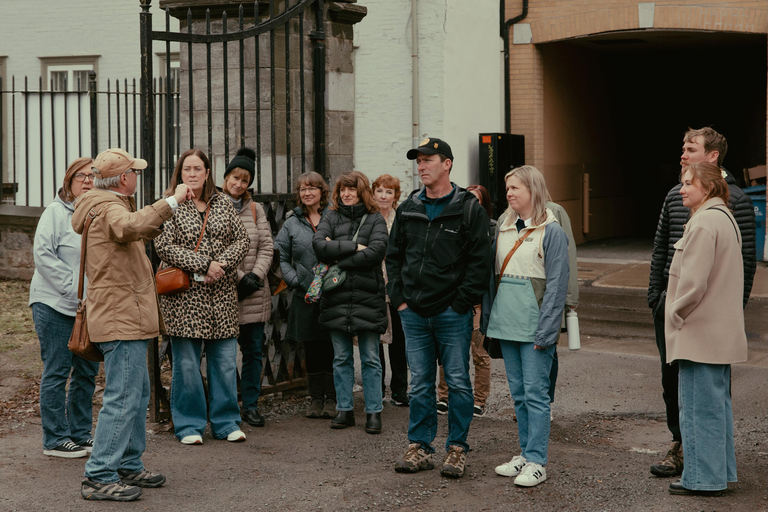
column 431, row 146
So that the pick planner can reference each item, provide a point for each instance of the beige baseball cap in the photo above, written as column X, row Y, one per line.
column 114, row 162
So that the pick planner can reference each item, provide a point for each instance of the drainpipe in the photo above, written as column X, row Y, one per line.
column 415, row 85
column 505, row 35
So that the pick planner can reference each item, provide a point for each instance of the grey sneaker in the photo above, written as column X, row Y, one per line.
column 672, row 464
column 114, row 491
column 453, row 464
column 415, row 459
column 141, row 479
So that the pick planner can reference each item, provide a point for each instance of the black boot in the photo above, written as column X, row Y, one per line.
column 329, row 389
column 343, row 419
column 373, row 423
column 315, row 386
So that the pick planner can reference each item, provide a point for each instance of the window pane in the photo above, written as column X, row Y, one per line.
column 82, row 76
column 59, row 81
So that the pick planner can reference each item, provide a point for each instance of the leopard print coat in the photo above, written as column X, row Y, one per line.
column 203, row 311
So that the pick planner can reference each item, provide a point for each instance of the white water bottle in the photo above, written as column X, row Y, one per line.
column 572, row 325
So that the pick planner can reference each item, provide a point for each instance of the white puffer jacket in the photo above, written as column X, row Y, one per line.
column 257, row 307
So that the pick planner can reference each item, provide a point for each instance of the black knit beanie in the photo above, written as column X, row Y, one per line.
column 244, row 159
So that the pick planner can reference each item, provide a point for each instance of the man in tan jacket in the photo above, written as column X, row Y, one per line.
column 122, row 318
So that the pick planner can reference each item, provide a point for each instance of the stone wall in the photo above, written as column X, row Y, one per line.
column 17, row 234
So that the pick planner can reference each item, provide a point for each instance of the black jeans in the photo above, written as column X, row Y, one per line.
column 398, row 362
column 668, row 373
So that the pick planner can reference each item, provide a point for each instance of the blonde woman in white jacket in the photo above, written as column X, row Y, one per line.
column 253, row 294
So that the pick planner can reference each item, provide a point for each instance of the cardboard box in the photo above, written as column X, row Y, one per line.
column 755, row 175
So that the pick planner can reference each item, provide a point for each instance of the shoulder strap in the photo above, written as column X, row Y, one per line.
column 354, row 238
column 729, row 218
column 92, row 213
column 511, row 252
column 202, row 231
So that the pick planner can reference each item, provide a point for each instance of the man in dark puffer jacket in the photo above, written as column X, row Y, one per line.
column 702, row 145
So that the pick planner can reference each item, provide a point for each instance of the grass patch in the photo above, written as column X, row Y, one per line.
column 17, row 328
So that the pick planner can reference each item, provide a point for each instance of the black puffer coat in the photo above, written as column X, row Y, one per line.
column 673, row 218
column 359, row 303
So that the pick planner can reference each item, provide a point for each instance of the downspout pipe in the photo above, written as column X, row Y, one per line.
column 505, row 36
column 415, row 84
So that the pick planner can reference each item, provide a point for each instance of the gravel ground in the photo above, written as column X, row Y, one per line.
column 608, row 429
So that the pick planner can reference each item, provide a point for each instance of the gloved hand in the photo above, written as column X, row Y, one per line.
column 249, row 284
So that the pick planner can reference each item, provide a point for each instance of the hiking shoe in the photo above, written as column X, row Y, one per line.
column 68, row 450
column 442, row 407
column 531, row 475
column 328, row 411
column 479, row 411
column 114, row 491
column 511, row 468
column 193, row 439
column 672, row 464
column 141, row 479
column 415, row 459
column 315, row 409
column 453, row 463
column 400, row 400
column 86, row 445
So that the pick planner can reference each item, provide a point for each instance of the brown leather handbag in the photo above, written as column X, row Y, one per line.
column 173, row 280
column 80, row 341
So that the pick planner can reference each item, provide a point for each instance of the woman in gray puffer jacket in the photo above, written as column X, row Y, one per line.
column 357, row 306
column 297, row 259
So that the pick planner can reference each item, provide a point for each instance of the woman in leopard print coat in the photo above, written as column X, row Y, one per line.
column 206, row 315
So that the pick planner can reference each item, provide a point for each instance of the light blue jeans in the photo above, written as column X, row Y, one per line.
column 250, row 341
column 188, row 406
column 706, row 424
column 65, row 415
column 528, row 378
column 449, row 335
column 121, row 434
column 344, row 369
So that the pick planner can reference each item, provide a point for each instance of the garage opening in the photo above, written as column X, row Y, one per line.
column 616, row 106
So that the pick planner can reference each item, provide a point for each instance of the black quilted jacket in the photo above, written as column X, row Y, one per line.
column 670, row 229
column 359, row 303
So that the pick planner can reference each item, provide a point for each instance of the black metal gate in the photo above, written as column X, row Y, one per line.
column 243, row 81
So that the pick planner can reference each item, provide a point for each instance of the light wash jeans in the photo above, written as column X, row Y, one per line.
column 528, row 377
column 706, row 424
column 65, row 415
column 188, row 406
column 447, row 334
column 344, row 369
column 250, row 341
column 121, row 434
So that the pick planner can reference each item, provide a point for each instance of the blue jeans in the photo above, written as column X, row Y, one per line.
column 528, row 377
column 66, row 416
column 121, row 434
column 344, row 369
column 706, row 424
column 447, row 335
column 188, row 406
column 250, row 341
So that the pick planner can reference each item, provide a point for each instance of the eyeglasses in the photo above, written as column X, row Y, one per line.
column 308, row 189
column 82, row 177
column 137, row 172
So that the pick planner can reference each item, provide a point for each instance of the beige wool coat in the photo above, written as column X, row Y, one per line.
column 257, row 307
column 704, row 318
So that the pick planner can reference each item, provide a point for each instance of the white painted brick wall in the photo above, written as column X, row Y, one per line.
column 460, row 84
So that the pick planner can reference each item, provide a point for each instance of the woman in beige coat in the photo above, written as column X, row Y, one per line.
column 704, row 327
column 253, row 295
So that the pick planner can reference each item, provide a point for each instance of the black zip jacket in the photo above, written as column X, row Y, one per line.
column 673, row 218
column 444, row 262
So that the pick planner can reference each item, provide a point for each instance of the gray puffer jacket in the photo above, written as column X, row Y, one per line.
column 294, row 241
column 256, row 307
column 672, row 220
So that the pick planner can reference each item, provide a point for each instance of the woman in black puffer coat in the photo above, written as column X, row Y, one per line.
column 357, row 306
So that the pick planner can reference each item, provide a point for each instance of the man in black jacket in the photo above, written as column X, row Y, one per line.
column 438, row 264
column 702, row 145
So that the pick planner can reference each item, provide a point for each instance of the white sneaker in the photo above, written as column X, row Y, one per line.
column 531, row 475
column 511, row 468
column 193, row 439
column 236, row 436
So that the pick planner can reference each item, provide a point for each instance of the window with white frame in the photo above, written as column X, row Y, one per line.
column 64, row 74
